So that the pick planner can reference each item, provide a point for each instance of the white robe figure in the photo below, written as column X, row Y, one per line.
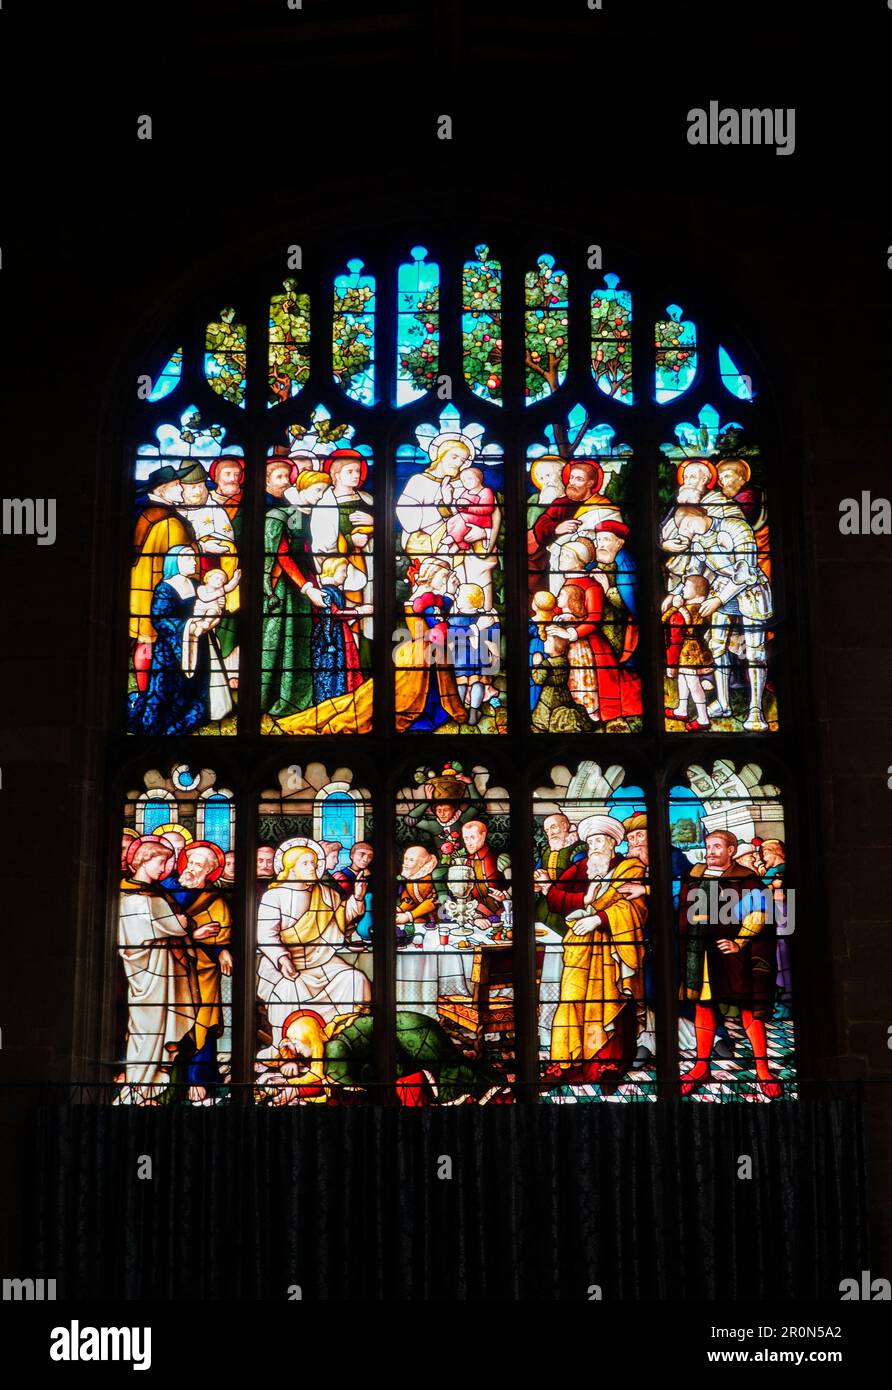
column 307, row 924
column 211, row 522
column 162, row 990
column 420, row 509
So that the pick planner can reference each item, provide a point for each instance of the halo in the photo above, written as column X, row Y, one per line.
column 296, row 840
column 354, row 456
column 203, row 844
column 455, row 437
column 145, row 840
column 226, row 458
column 543, row 458
column 737, row 463
column 174, row 827
column 597, row 471
column 302, row 1013
column 713, row 475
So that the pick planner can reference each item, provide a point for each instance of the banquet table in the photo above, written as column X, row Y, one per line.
column 427, row 968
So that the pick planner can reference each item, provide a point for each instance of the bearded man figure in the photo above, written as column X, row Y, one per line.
column 602, row 997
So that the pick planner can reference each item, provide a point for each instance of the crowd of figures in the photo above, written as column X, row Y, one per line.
column 174, row 932
column 184, row 597
column 718, row 594
column 450, row 519
column 317, row 593
column 583, row 631
column 316, row 674
column 314, row 926
column 730, row 965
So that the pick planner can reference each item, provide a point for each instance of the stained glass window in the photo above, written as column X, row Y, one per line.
column 594, row 958
column 418, row 332
column 482, row 325
column 612, row 340
column 314, row 930
column 450, row 585
column 353, row 333
column 225, row 358
column 173, row 1024
column 289, row 343
column 717, row 605
column 735, row 917
column 676, row 356
column 324, row 574
column 168, row 377
column 184, row 581
column 547, row 328
column 583, row 629
column 316, row 640
column 455, row 1020
column 738, row 383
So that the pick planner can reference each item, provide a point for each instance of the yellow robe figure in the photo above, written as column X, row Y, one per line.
column 209, row 909
column 602, row 971
column 158, row 530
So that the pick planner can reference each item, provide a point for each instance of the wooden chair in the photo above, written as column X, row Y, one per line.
column 489, row 1008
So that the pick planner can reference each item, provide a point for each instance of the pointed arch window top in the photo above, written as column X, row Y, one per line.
column 418, row 326
column 353, row 333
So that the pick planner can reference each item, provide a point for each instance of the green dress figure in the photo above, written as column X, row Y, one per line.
column 287, row 677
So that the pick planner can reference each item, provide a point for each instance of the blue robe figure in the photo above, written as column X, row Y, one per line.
column 335, row 656
column 172, row 702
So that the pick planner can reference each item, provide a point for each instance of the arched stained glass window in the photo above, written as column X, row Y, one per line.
column 676, row 359
column 612, row 340
column 353, row 333
column 718, row 605
column 582, row 581
column 338, row 572
column 184, row 581
column 482, row 325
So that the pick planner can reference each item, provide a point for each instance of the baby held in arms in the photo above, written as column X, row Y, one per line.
column 210, row 597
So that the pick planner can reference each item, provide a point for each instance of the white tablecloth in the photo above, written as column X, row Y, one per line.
column 425, row 972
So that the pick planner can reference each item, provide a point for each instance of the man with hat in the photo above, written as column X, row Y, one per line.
column 601, row 1008
column 636, row 840
column 451, row 800
column 159, row 527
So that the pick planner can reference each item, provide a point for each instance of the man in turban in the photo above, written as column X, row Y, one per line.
column 601, row 1006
